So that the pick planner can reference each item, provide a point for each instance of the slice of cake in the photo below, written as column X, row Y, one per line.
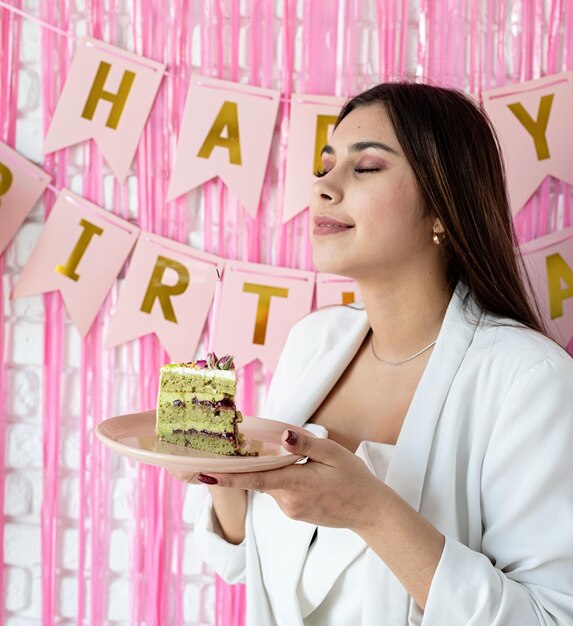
column 196, row 406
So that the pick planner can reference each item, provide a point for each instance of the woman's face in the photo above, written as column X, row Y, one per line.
column 366, row 212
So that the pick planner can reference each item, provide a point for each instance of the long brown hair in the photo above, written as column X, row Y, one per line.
column 455, row 155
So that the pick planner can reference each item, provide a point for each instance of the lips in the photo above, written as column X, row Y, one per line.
column 325, row 225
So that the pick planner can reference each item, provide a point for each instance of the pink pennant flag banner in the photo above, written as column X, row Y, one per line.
column 21, row 185
column 226, row 131
column 167, row 291
column 311, row 122
column 80, row 252
column 107, row 96
column 549, row 262
column 332, row 289
column 530, row 119
column 259, row 305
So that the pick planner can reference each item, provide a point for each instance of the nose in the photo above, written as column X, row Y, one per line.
column 326, row 190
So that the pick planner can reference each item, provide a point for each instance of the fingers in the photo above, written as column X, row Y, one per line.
column 295, row 440
column 254, row 481
column 185, row 476
column 299, row 441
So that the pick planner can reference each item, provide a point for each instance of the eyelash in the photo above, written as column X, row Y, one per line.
column 366, row 170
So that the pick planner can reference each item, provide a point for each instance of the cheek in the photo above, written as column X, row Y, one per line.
column 370, row 207
column 397, row 203
column 376, row 214
column 394, row 223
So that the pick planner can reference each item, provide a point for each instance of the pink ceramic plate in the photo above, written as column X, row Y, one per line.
column 133, row 436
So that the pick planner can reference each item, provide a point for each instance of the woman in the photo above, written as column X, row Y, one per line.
column 443, row 494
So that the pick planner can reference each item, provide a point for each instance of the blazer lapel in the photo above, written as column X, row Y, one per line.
column 300, row 397
column 280, row 564
column 337, row 548
column 312, row 386
column 407, row 469
column 408, row 466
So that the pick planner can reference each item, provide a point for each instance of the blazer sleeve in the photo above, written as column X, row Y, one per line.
column 523, row 575
column 228, row 560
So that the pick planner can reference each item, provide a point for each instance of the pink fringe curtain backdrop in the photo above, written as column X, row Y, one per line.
column 339, row 48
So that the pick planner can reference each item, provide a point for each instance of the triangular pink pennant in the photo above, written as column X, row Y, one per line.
column 226, row 131
column 549, row 263
column 167, row 291
column 310, row 125
column 80, row 252
column 21, row 185
column 107, row 96
column 259, row 305
column 332, row 289
column 531, row 119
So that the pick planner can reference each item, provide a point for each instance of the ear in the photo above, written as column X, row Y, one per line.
column 437, row 227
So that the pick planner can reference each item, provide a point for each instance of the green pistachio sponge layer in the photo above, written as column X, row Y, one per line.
column 175, row 414
column 207, row 443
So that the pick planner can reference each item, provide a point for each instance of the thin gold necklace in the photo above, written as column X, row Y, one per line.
column 399, row 362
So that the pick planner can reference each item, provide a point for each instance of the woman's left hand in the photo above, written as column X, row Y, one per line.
column 334, row 488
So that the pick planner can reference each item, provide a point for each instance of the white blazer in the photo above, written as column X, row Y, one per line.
column 485, row 454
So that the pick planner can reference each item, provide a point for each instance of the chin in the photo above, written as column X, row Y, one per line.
column 332, row 266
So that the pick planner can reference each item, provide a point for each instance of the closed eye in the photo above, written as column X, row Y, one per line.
column 359, row 170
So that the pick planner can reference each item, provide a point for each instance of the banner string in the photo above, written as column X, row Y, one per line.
column 37, row 20
column 232, row 267
column 167, row 73
column 546, row 241
column 505, row 94
column 87, row 207
column 30, row 168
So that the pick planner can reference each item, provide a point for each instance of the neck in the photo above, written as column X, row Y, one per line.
column 405, row 315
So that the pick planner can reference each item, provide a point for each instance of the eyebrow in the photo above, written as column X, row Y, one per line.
column 362, row 145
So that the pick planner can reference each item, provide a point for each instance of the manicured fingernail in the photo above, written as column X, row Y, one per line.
column 292, row 438
column 208, row 480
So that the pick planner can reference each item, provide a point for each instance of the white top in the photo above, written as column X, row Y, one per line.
column 316, row 610
column 484, row 454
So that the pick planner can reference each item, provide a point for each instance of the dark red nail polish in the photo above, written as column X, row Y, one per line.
column 208, row 480
column 292, row 438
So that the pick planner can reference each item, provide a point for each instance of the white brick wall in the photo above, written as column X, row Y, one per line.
column 23, row 341
column 23, row 338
